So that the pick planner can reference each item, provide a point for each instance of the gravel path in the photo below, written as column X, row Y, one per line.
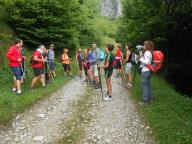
column 112, row 122
column 40, row 124
column 117, row 121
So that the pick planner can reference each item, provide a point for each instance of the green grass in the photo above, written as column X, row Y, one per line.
column 74, row 127
column 11, row 103
column 169, row 116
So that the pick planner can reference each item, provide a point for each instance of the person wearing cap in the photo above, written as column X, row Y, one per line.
column 94, row 66
column 37, row 62
column 15, row 57
column 51, row 58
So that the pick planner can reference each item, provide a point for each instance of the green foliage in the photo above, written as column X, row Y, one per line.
column 168, row 23
column 11, row 103
column 169, row 115
column 143, row 20
column 45, row 21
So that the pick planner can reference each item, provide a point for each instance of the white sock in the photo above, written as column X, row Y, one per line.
column 14, row 89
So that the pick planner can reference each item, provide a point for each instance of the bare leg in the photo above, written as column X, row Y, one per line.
column 14, row 83
column 54, row 73
column 109, row 86
column 18, row 84
column 129, row 79
column 97, row 79
column 43, row 80
column 34, row 81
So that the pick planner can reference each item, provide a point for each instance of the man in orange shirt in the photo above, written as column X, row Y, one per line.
column 66, row 63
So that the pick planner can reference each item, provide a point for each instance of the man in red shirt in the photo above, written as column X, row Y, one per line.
column 37, row 63
column 118, row 58
column 15, row 59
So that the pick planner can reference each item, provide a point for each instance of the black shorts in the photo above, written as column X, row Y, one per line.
column 66, row 67
column 118, row 64
column 108, row 73
column 38, row 71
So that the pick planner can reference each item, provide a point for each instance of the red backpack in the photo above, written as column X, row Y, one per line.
column 158, row 58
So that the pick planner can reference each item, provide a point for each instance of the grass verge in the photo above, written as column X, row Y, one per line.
column 11, row 103
column 74, row 128
column 169, row 116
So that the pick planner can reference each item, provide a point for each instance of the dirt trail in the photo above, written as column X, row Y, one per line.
column 41, row 123
column 112, row 122
column 117, row 121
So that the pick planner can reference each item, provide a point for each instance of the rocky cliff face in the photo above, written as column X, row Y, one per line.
column 111, row 8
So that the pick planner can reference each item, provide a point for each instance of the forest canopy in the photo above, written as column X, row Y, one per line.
column 169, row 24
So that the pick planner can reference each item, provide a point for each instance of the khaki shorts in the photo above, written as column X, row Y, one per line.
column 128, row 68
column 94, row 69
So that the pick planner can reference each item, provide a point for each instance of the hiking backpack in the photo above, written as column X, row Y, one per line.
column 60, row 59
column 31, row 60
column 157, row 60
column 102, row 54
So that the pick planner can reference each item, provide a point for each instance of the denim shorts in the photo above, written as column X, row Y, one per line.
column 17, row 72
column 51, row 65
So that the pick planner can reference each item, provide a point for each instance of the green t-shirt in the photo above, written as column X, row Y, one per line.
column 109, row 58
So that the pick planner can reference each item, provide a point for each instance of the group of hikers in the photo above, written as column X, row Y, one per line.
column 38, row 59
column 147, row 61
column 91, row 61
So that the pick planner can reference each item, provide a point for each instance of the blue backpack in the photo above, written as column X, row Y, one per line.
column 102, row 54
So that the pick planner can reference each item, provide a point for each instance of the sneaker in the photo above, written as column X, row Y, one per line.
column 19, row 92
column 14, row 90
column 107, row 99
column 96, row 87
column 31, row 88
column 44, row 86
column 143, row 103
column 128, row 85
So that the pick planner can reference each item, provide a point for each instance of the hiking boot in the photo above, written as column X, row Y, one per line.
column 97, row 86
column 44, row 86
column 47, row 82
column 128, row 85
column 107, row 98
column 144, row 103
column 85, row 80
column 31, row 88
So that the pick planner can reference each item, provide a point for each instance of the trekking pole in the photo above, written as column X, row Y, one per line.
column 99, row 72
column 22, row 71
column 51, row 74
